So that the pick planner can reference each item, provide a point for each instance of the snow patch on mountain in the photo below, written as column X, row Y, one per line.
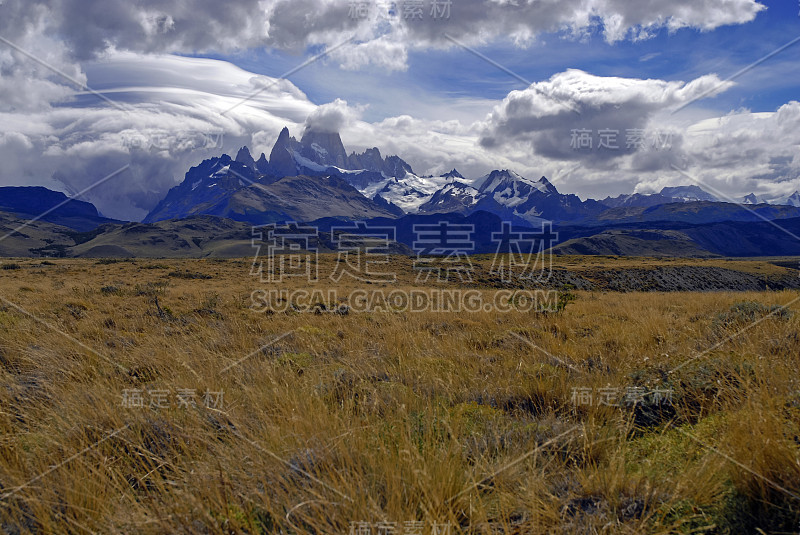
column 302, row 161
column 319, row 150
column 411, row 191
column 222, row 171
column 689, row 193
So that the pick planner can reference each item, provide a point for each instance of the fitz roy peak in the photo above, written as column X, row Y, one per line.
column 318, row 152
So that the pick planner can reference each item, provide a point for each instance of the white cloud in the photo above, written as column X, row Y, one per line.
column 546, row 116
column 331, row 117
column 746, row 152
column 28, row 85
column 385, row 52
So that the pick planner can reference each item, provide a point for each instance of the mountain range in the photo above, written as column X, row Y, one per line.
column 205, row 236
column 37, row 202
column 237, row 190
column 316, row 180
column 315, row 177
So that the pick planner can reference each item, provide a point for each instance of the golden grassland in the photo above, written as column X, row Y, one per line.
column 333, row 423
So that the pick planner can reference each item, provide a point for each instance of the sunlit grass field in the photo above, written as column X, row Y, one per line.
column 147, row 396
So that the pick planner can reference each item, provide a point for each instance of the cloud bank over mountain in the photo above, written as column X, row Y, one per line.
column 331, row 118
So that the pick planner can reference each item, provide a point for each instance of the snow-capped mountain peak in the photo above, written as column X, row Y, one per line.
column 454, row 174
column 689, row 193
column 503, row 192
column 792, row 200
column 752, row 199
column 507, row 179
column 546, row 186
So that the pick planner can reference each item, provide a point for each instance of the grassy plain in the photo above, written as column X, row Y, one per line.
column 390, row 421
